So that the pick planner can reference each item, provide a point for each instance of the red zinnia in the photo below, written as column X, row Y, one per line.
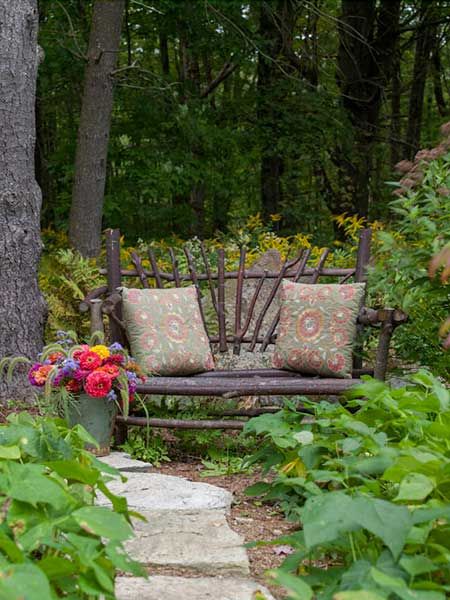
column 115, row 359
column 89, row 360
column 98, row 384
column 73, row 386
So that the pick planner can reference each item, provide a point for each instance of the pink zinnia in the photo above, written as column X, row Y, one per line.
column 98, row 384
column 76, row 355
column 89, row 360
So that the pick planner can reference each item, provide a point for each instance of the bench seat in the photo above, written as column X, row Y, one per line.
column 259, row 382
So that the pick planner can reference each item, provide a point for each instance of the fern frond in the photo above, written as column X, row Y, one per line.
column 124, row 393
column 13, row 363
column 49, row 382
column 51, row 348
column 98, row 337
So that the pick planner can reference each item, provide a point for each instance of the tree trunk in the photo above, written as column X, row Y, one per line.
column 22, row 307
column 396, row 146
column 425, row 40
column 437, row 80
column 367, row 39
column 93, row 133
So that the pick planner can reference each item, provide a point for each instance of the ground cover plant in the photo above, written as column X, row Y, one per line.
column 369, row 485
column 53, row 541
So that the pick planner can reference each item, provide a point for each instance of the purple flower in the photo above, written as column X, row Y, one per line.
column 112, row 396
column 57, row 379
column 69, row 366
column 116, row 347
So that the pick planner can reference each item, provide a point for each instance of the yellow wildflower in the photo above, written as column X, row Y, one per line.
column 101, row 351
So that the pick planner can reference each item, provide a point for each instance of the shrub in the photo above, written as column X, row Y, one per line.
column 369, row 484
column 421, row 230
column 54, row 542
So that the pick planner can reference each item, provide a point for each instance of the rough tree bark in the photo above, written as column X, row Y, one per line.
column 93, row 133
column 368, row 34
column 425, row 42
column 22, row 307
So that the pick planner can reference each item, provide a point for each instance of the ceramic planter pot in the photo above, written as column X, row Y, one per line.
column 97, row 416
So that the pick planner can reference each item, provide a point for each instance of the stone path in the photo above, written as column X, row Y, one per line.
column 187, row 531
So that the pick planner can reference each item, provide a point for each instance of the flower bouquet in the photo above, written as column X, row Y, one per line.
column 87, row 383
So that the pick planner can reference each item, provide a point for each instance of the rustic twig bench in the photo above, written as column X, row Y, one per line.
column 249, row 331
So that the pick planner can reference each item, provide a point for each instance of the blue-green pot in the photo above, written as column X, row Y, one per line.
column 97, row 416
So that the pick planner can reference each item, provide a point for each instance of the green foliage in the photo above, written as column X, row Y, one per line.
column 146, row 445
column 369, row 484
column 400, row 276
column 65, row 278
column 54, row 542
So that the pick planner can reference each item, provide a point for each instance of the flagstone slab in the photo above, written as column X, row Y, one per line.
column 152, row 491
column 182, row 588
column 123, row 462
column 201, row 541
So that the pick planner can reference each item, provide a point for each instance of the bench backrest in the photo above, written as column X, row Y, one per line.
column 253, row 328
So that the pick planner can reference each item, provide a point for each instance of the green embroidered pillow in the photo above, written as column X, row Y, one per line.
column 317, row 328
column 165, row 331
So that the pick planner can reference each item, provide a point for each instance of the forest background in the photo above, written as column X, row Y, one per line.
column 222, row 109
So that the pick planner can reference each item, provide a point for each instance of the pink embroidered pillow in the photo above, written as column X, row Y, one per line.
column 165, row 331
column 317, row 328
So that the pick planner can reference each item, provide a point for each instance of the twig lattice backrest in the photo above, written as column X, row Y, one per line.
column 256, row 325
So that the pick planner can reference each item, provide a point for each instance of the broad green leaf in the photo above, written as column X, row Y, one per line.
column 327, row 517
column 418, row 564
column 415, row 486
column 120, row 504
column 400, row 588
column 35, row 536
column 102, row 521
column 422, row 515
column 10, row 452
column 304, row 437
column 28, row 483
column 273, row 424
column 359, row 595
column 74, row 470
column 10, row 549
column 122, row 561
column 356, row 575
column 25, row 581
column 56, row 566
column 258, row 488
column 389, row 522
column 298, row 589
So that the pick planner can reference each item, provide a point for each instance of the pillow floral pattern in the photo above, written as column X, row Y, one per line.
column 317, row 328
column 166, row 331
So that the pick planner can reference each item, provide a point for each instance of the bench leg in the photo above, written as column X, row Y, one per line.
column 120, row 433
column 387, row 329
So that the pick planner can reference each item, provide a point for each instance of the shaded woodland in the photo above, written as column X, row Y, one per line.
column 174, row 117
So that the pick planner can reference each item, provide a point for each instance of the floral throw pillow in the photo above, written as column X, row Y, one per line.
column 165, row 331
column 317, row 328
